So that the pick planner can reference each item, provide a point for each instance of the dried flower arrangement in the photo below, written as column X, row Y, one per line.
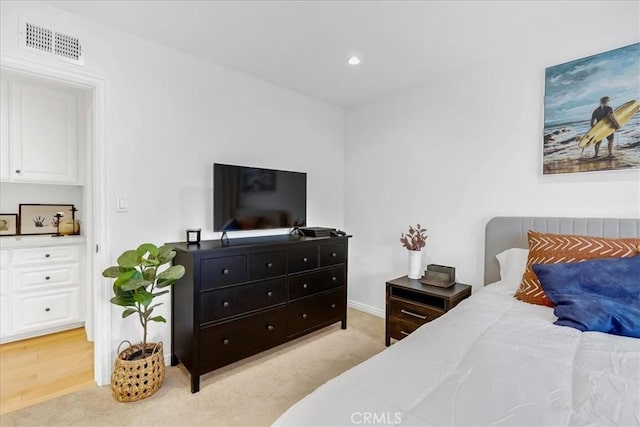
column 416, row 239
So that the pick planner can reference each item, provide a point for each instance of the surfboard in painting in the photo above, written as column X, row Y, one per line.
column 574, row 131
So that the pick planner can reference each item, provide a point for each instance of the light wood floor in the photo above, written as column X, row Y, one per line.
column 39, row 369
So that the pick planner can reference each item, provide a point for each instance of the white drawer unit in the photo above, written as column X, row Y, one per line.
column 34, row 311
column 45, row 256
column 40, row 290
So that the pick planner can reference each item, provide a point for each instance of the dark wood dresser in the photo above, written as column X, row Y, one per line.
column 410, row 304
column 242, row 296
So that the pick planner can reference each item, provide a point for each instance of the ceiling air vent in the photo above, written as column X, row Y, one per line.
column 50, row 42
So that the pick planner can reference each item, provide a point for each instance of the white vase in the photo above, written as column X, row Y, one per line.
column 415, row 264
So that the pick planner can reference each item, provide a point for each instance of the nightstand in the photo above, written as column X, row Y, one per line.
column 410, row 304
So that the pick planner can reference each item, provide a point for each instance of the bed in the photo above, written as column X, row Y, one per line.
column 493, row 360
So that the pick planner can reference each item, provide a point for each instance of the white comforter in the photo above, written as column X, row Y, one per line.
column 491, row 361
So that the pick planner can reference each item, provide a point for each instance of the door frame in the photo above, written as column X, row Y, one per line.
column 98, row 318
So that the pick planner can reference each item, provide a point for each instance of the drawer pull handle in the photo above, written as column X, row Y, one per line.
column 225, row 341
column 270, row 328
column 47, row 309
column 304, row 315
column 333, row 306
column 334, row 279
column 47, row 255
column 405, row 333
column 305, row 285
column 305, row 259
column 333, row 254
column 47, row 278
column 225, row 271
column 410, row 313
column 269, row 265
column 18, row 171
column 269, row 294
column 225, row 304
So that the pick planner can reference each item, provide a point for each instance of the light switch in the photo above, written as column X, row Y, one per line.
column 122, row 204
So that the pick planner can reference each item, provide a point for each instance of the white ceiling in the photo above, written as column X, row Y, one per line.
column 304, row 45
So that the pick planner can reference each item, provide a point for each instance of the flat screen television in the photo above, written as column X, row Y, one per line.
column 247, row 198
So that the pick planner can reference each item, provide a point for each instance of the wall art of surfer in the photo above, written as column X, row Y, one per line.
column 591, row 119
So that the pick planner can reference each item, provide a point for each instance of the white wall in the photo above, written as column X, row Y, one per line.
column 170, row 117
column 467, row 147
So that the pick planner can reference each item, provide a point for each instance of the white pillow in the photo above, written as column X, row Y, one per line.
column 512, row 265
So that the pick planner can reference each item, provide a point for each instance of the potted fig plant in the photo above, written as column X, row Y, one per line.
column 414, row 241
column 139, row 280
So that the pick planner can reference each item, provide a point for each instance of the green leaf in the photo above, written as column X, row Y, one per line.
column 128, row 312
column 149, row 274
column 165, row 259
column 129, row 259
column 170, row 274
column 150, row 262
column 147, row 247
column 164, row 251
column 135, row 284
column 118, row 300
column 125, row 277
column 114, row 271
column 159, row 319
column 143, row 297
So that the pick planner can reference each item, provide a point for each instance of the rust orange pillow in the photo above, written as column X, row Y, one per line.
column 547, row 248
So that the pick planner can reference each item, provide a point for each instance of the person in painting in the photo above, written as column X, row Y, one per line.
column 604, row 110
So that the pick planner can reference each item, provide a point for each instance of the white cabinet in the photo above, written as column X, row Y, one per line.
column 40, row 133
column 4, row 131
column 41, row 291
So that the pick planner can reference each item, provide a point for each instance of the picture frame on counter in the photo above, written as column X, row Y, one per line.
column 41, row 218
column 9, row 224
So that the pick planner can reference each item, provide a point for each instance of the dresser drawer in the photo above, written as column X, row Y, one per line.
column 332, row 254
column 45, row 256
column 268, row 264
column 43, row 310
column 312, row 312
column 223, row 271
column 227, row 302
column 231, row 341
column 412, row 312
column 400, row 328
column 25, row 279
column 307, row 284
column 302, row 259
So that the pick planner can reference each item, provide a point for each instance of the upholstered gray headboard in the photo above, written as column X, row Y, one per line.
column 511, row 232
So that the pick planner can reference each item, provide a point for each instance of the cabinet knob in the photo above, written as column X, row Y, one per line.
column 225, row 341
column 269, row 294
column 225, row 304
column 334, row 279
column 270, row 328
column 225, row 271
column 18, row 171
column 305, row 259
column 333, row 306
column 269, row 264
column 47, row 255
column 304, row 315
column 47, row 278
column 305, row 285
column 47, row 309
column 333, row 254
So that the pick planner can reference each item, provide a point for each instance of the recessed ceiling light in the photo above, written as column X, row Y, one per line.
column 353, row 60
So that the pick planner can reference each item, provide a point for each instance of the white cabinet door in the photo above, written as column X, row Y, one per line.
column 4, row 131
column 43, row 134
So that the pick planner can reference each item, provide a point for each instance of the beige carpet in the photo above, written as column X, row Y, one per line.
column 255, row 391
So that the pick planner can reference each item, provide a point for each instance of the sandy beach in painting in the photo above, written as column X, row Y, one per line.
column 562, row 154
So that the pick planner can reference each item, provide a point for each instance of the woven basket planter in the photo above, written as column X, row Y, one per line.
column 137, row 379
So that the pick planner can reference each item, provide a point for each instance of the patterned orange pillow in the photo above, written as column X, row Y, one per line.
column 545, row 248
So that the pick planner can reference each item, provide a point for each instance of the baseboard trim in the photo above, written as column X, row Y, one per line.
column 366, row 308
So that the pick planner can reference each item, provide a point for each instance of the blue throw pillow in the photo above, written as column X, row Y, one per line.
column 600, row 295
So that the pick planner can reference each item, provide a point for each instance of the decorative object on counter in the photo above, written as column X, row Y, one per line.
column 70, row 227
column 8, row 224
column 57, row 218
column 414, row 241
column 193, row 236
column 139, row 369
column 441, row 276
column 42, row 219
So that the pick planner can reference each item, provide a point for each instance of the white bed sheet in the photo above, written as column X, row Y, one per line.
column 493, row 360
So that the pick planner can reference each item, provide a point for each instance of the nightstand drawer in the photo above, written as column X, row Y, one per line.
column 413, row 312
column 399, row 328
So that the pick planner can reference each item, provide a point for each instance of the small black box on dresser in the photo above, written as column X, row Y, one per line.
column 242, row 296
